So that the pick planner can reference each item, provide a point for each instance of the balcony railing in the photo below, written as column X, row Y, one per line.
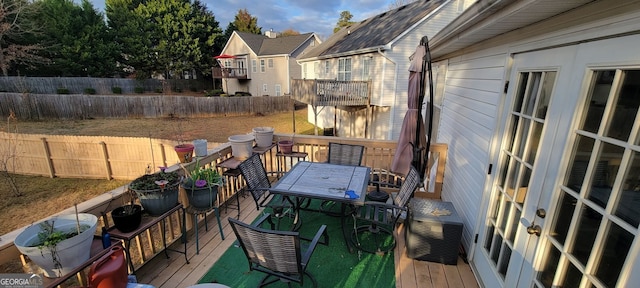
column 378, row 155
column 331, row 92
column 237, row 73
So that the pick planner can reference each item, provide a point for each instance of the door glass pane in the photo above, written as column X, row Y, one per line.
column 506, row 211
column 521, row 194
column 628, row 204
column 511, row 181
column 602, row 177
column 504, row 260
column 534, row 141
column 549, row 267
column 522, row 137
column 514, row 224
column 578, row 168
column 503, row 171
column 490, row 231
column 616, row 248
column 573, row 277
column 625, row 107
column 495, row 250
column 522, row 88
column 532, row 94
column 545, row 94
column 512, row 134
column 564, row 212
column 598, row 95
column 586, row 234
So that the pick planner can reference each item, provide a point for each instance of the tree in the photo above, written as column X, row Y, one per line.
column 77, row 40
column 164, row 36
column 16, row 35
column 343, row 21
column 289, row 32
column 244, row 22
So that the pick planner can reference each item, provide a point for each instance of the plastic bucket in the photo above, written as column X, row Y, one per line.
column 241, row 146
column 264, row 136
column 200, row 147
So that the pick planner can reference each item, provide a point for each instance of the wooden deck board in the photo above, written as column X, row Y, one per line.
column 174, row 272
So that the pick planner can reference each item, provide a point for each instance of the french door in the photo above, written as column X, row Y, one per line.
column 565, row 202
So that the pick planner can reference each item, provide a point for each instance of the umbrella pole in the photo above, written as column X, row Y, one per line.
column 426, row 66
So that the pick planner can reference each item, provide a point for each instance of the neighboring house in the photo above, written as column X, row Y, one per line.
column 376, row 50
column 262, row 64
column 540, row 110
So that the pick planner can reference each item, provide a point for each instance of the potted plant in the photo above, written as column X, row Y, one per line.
column 127, row 217
column 201, row 186
column 183, row 150
column 60, row 244
column 158, row 192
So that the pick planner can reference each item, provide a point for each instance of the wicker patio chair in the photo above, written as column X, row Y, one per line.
column 277, row 253
column 258, row 184
column 380, row 218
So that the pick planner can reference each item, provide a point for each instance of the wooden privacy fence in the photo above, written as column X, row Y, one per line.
column 78, row 106
column 49, row 85
column 85, row 156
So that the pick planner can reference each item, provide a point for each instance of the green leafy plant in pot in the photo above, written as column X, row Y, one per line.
column 201, row 186
column 127, row 217
column 158, row 192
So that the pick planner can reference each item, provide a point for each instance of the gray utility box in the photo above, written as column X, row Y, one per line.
column 430, row 235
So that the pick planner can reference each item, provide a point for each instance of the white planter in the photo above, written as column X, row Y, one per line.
column 264, row 136
column 200, row 147
column 241, row 146
column 71, row 252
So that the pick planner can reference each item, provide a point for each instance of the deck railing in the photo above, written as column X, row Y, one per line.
column 331, row 92
column 238, row 73
column 378, row 155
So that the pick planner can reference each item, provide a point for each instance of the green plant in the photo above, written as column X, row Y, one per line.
column 49, row 237
column 89, row 91
column 116, row 90
column 62, row 91
column 138, row 90
column 156, row 181
column 158, row 90
column 201, row 176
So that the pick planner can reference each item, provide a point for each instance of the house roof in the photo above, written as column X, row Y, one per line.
column 376, row 31
column 264, row 46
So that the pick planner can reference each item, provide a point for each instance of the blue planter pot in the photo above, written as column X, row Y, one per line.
column 201, row 198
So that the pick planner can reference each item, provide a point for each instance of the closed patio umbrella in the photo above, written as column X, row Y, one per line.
column 413, row 145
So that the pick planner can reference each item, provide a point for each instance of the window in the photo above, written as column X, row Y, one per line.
column 278, row 90
column 227, row 64
column 327, row 67
column 366, row 67
column 254, row 66
column 265, row 88
column 262, row 68
column 344, row 69
column 270, row 63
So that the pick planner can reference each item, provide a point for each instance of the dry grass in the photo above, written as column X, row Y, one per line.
column 45, row 196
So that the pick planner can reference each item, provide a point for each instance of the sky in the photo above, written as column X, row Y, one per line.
column 319, row 16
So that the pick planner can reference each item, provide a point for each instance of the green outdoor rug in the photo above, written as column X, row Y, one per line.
column 331, row 266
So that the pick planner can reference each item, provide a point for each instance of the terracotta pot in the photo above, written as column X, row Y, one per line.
column 185, row 152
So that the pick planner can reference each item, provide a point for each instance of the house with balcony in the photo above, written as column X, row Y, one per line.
column 356, row 81
column 261, row 64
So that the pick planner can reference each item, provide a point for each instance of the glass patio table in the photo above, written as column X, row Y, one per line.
column 324, row 181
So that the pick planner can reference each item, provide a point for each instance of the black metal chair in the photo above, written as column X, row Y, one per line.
column 341, row 154
column 376, row 236
column 258, row 184
column 277, row 253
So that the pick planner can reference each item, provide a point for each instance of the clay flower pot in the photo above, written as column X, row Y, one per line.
column 185, row 152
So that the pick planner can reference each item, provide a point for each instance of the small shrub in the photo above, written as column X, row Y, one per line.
column 158, row 90
column 62, row 91
column 89, row 91
column 138, row 90
column 177, row 89
column 224, row 95
column 116, row 90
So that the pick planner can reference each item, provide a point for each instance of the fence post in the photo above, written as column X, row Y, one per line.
column 105, row 155
column 164, row 155
column 47, row 155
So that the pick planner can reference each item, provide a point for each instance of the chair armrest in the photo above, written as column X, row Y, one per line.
column 265, row 217
column 314, row 242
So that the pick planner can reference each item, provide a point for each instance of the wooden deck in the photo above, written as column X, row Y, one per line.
column 174, row 272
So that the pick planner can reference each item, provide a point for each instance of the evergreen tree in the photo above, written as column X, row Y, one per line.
column 244, row 22
column 344, row 21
